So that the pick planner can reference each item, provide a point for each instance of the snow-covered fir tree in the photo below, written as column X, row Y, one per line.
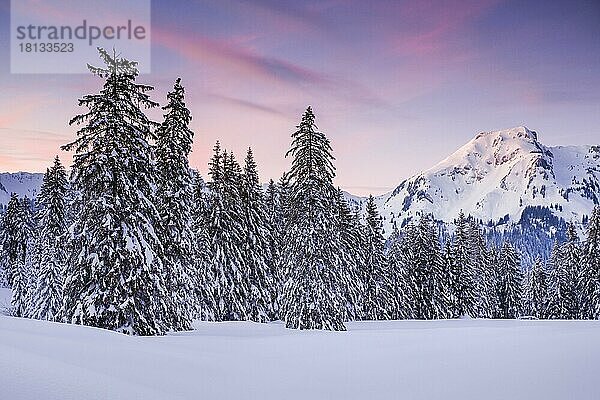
column 227, row 236
column 448, row 269
column 16, row 235
column 277, row 203
column 590, row 276
column 205, row 288
column 563, row 302
column 50, row 245
column 402, row 285
column 536, row 292
column 463, row 280
column 256, row 245
column 115, row 279
column 378, row 300
column 351, row 258
column 174, row 198
column 485, row 273
column 421, row 259
column 313, row 294
column 510, row 278
column 275, row 224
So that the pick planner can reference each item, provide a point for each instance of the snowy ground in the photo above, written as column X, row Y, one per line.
column 5, row 295
column 460, row 359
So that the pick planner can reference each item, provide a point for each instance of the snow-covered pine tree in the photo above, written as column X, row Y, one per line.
column 32, row 258
column 312, row 295
column 590, row 277
column 115, row 280
column 437, row 301
column 47, row 298
column 485, row 273
column 204, row 279
column 536, row 292
column 15, row 240
column 574, row 259
column 449, row 269
column 174, row 198
column 422, row 259
column 378, row 300
column 352, row 257
column 3, row 280
column 256, row 245
column 402, row 285
column 565, row 263
column 274, row 223
column 463, row 282
column 511, row 282
column 277, row 201
column 493, row 258
column 226, row 236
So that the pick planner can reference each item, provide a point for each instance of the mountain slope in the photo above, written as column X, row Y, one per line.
column 496, row 177
column 23, row 183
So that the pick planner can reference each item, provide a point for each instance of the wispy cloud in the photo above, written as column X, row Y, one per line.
column 275, row 73
column 199, row 48
column 246, row 104
column 440, row 25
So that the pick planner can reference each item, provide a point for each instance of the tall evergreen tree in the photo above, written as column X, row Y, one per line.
column 564, row 278
column 277, row 208
column 275, row 224
column 205, row 289
column 15, row 240
column 378, row 291
column 590, row 277
column 50, row 246
column 226, row 236
column 422, row 258
column 485, row 273
column 174, row 198
column 257, row 249
column 115, row 279
column 463, row 279
column 449, row 269
column 351, row 257
column 403, row 285
column 313, row 294
column 511, row 281
column 537, row 290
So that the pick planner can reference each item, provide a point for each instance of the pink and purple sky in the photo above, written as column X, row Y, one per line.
column 396, row 85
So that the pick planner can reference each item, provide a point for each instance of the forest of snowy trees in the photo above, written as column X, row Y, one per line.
column 137, row 242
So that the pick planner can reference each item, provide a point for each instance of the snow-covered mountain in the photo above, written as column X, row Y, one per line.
column 496, row 177
column 23, row 183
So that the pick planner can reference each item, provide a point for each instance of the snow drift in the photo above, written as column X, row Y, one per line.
column 455, row 359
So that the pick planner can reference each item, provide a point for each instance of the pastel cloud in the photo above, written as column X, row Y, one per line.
column 442, row 26
column 202, row 49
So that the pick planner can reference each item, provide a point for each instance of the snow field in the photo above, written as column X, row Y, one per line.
column 453, row 359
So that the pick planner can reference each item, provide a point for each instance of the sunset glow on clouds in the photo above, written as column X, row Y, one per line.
column 396, row 85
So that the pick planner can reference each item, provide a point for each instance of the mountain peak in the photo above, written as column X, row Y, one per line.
column 496, row 176
column 489, row 149
column 518, row 132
